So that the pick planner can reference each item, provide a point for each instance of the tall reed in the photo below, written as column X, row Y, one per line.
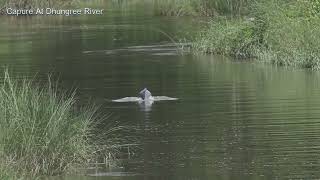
column 41, row 131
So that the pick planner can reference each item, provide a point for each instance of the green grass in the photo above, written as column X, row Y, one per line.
column 200, row 7
column 43, row 132
column 236, row 37
column 279, row 32
column 282, row 32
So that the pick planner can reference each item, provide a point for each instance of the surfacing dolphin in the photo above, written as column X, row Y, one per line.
column 145, row 96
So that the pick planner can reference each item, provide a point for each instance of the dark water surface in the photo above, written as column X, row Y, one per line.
column 233, row 120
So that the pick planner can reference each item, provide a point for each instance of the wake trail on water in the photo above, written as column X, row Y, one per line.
column 137, row 99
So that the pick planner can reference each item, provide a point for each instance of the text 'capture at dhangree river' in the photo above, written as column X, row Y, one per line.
column 52, row 11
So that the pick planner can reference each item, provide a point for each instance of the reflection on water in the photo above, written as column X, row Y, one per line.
column 233, row 120
column 145, row 105
column 172, row 49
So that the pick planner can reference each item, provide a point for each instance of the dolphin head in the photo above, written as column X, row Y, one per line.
column 145, row 94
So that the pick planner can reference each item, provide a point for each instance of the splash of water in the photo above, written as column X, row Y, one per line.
column 138, row 99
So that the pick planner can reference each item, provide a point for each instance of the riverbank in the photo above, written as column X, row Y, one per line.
column 43, row 132
column 279, row 32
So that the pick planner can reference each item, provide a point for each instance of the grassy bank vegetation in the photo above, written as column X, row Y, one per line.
column 200, row 7
column 283, row 32
column 279, row 32
column 43, row 132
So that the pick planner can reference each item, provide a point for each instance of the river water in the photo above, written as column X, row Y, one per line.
column 232, row 120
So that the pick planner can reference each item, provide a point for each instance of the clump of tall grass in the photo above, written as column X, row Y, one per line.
column 236, row 37
column 41, row 131
column 279, row 32
column 6, row 173
column 292, row 35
